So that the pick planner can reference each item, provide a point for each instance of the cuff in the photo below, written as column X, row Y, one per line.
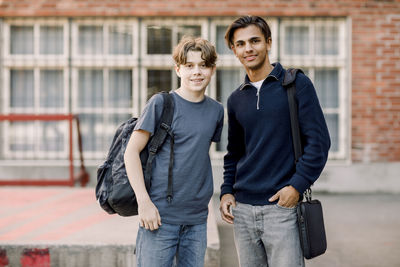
column 300, row 183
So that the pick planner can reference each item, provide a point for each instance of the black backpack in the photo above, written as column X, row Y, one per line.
column 113, row 190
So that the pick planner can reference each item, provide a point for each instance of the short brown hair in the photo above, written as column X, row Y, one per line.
column 244, row 22
column 188, row 43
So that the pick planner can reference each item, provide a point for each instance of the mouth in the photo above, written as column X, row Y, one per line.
column 197, row 80
column 250, row 57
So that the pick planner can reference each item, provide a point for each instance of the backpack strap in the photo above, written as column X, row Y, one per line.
column 158, row 140
column 290, row 85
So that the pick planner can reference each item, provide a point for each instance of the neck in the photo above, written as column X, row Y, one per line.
column 261, row 73
column 192, row 96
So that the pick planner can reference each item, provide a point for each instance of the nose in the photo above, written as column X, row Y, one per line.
column 196, row 69
column 248, row 46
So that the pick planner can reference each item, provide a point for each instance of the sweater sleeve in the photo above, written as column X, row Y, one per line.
column 235, row 151
column 314, row 135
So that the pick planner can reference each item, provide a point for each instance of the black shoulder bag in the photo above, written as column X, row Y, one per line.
column 309, row 211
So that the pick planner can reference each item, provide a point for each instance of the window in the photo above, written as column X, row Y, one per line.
column 104, row 89
column 21, row 40
column 319, row 46
column 105, row 70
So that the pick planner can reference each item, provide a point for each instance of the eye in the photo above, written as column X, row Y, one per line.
column 239, row 44
column 203, row 65
column 189, row 65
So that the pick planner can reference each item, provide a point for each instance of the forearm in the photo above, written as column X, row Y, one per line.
column 135, row 174
column 133, row 164
column 316, row 140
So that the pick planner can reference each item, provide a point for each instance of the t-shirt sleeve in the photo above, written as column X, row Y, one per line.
column 220, row 124
column 151, row 114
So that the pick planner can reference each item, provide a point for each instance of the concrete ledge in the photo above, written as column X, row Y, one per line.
column 66, row 227
column 360, row 178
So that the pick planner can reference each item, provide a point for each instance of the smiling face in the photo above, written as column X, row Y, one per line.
column 195, row 74
column 251, row 48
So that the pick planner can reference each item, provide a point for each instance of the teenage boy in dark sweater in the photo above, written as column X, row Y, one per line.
column 262, row 185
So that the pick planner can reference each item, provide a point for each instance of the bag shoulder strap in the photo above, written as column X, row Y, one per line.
column 290, row 85
column 158, row 139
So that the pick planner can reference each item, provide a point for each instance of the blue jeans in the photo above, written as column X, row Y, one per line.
column 183, row 245
column 267, row 236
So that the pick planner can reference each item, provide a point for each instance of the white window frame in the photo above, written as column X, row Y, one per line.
column 35, row 59
column 35, row 62
column 105, row 62
column 152, row 60
column 313, row 61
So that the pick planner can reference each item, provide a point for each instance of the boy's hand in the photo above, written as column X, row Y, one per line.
column 149, row 217
column 288, row 197
column 227, row 201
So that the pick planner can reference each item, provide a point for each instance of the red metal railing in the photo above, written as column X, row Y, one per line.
column 82, row 177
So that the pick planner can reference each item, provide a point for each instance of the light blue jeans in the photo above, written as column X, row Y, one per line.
column 267, row 236
column 172, row 245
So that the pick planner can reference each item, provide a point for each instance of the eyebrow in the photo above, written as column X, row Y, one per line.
column 251, row 39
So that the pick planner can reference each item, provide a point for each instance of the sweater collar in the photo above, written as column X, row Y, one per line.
column 275, row 74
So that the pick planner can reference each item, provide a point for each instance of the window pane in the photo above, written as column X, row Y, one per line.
column 221, row 45
column 21, row 40
column 90, row 40
column 227, row 81
column 52, row 136
column 157, row 81
column 22, row 136
column 90, row 88
column 51, row 40
column 332, row 120
column 296, row 40
column 92, row 131
column 327, row 87
column 120, row 40
column 22, row 86
column 327, row 40
column 194, row 31
column 51, row 88
column 159, row 40
column 120, row 88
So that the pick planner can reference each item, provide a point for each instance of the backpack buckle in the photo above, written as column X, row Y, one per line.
column 153, row 150
column 165, row 126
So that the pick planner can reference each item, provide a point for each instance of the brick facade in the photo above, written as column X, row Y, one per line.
column 375, row 46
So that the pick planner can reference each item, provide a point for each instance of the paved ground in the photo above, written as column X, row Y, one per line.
column 66, row 227
column 362, row 231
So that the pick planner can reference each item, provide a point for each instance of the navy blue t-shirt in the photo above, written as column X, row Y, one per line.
column 195, row 125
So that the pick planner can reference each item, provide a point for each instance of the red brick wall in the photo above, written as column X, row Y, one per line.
column 375, row 50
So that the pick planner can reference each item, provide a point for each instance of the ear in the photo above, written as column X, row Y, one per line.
column 233, row 50
column 269, row 44
column 213, row 70
column 177, row 70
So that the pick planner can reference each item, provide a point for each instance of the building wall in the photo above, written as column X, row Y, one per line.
column 375, row 46
column 374, row 117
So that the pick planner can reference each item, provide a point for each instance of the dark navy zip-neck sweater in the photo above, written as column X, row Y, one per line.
column 260, row 157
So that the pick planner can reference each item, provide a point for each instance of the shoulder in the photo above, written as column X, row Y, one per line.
column 303, row 84
column 214, row 103
column 236, row 94
column 156, row 99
